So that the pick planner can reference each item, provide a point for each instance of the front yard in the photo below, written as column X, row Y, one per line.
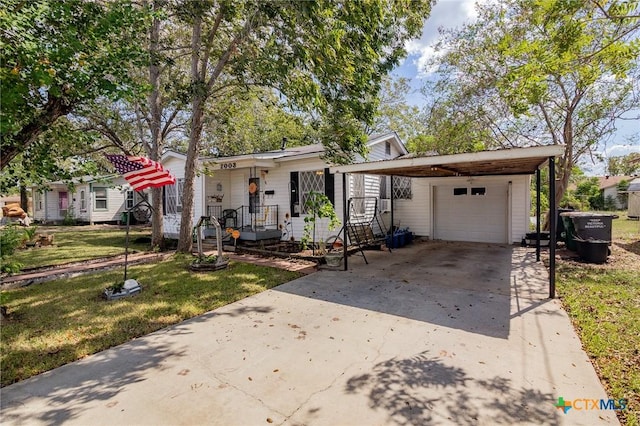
column 603, row 302
column 54, row 323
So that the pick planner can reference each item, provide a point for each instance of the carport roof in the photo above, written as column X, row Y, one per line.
column 513, row 161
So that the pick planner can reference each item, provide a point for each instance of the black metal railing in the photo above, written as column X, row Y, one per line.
column 246, row 217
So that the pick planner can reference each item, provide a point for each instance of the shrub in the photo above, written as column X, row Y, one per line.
column 10, row 240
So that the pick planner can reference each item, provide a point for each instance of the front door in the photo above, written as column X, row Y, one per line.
column 63, row 204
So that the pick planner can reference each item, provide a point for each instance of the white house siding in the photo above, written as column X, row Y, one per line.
column 417, row 213
column 115, row 204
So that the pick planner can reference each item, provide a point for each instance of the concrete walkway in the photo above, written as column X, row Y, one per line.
column 436, row 333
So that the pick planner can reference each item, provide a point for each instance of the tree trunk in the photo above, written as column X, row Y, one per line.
column 24, row 198
column 155, row 110
column 55, row 108
column 199, row 96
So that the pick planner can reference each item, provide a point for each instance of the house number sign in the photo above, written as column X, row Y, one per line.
column 225, row 166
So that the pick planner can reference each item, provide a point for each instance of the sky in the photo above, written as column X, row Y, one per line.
column 455, row 13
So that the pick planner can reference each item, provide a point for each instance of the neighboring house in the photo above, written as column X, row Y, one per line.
column 267, row 191
column 89, row 200
column 609, row 188
column 263, row 194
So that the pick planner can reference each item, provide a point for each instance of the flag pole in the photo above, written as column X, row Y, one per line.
column 126, row 241
column 126, row 244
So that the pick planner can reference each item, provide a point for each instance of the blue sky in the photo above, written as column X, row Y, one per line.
column 454, row 13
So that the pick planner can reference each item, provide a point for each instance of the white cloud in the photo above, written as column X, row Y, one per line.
column 445, row 14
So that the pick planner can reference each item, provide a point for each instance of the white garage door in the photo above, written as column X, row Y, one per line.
column 472, row 212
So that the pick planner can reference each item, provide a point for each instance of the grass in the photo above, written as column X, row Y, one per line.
column 604, row 304
column 54, row 323
column 78, row 244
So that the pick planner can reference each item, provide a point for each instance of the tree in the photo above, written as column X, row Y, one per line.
column 324, row 57
column 624, row 166
column 539, row 72
column 394, row 114
column 58, row 55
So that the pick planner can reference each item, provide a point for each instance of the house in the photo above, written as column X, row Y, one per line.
column 487, row 203
column 263, row 195
column 609, row 188
column 86, row 200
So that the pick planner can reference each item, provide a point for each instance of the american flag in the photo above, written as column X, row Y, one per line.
column 141, row 172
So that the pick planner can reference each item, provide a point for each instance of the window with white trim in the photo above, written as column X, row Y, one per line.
column 310, row 181
column 173, row 197
column 38, row 200
column 129, row 199
column 83, row 201
column 402, row 188
column 100, row 198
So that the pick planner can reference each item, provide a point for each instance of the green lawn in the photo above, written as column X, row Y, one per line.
column 604, row 305
column 77, row 244
column 54, row 323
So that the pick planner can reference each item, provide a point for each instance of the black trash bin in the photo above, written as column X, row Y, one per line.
column 592, row 226
column 593, row 251
column 561, row 231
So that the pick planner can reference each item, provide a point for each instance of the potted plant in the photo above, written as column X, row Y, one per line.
column 30, row 236
column 318, row 206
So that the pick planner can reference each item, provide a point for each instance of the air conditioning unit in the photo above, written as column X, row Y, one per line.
column 384, row 205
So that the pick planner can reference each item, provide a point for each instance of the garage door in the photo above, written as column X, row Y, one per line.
column 471, row 213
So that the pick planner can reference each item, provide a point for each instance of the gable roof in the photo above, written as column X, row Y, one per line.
column 609, row 181
column 269, row 158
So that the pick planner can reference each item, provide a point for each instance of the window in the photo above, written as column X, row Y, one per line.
column 459, row 191
column 385, row 192
column 310, row 181
column 83, row 201
column 479, row 191
column 173, row 197
column 129, row 200
column 402, row 188
column 38, row 201
column 100, row 198
column 387, row 148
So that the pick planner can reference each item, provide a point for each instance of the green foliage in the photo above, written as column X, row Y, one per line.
column 317, row 206
column 30, row 232
column 623, row 196
column 535, row 73
column 588, row 192
column 57, row 55
column 624, row 166
column 10, row 239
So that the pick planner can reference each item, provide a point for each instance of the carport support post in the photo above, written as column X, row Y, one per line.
column 552, row 227
column 345, row 218
column 538, row 215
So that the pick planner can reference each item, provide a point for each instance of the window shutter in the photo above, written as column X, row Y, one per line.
column 294, row 194
column 329, row 186
column 164, row 200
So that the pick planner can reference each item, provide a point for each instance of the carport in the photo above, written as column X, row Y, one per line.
column 513, row 161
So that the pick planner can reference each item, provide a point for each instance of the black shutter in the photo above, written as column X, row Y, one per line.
column 164, row 200
column 294, row 194
column 329, row 186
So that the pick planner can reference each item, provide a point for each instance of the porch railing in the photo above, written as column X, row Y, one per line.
column 245, row 218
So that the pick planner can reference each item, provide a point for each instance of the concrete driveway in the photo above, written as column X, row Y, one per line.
column 434, row 333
